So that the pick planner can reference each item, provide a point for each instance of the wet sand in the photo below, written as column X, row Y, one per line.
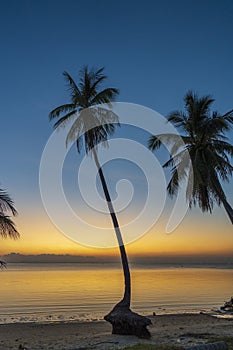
column 184, row 330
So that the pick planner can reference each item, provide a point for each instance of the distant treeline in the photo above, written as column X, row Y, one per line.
column 167, row 260
column 46, row 258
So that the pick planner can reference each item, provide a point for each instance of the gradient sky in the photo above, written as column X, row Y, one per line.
column 153, row 51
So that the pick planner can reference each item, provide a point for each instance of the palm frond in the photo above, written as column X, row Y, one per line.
column 179, row 172
column 76, row 131
column 62, row 122
column 156, row 141
column 61, row 109
column 90, row 80
column 223, row 167
column 178, row 118
column 106, row 116
column 105, row 96
column 229, row 116
column 222, row 147
column 79, row 143
column 182, row 142
column 216, row 124
column 6, row 203
column 99, row 78
column 73, row 88
column 204, row 103
column 173, row 184
column 196, row 106
column 177, row 158
column 7, row 227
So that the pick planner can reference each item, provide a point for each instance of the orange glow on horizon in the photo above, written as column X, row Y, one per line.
column 201, row 237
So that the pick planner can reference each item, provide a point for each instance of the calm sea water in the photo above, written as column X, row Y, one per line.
column 47, row 292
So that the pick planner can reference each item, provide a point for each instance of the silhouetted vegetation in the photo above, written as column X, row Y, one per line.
column 93, row 124
column 203, row 140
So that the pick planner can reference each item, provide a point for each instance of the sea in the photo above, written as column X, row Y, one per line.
column 86, row 292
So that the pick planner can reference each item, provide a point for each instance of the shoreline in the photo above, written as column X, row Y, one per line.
column 174, row 329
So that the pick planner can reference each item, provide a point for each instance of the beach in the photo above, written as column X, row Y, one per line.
column 179, row 329
column 78, row 293
column 57, row 307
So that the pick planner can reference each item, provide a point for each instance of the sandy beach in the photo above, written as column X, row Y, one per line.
column 183, row 330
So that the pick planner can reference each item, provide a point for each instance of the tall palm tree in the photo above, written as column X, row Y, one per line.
column 7, row 226
column 203, row 133
column 90, row 127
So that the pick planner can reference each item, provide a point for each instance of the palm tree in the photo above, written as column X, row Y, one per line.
column 92, row 125
column 204, row 137
column 7, row 226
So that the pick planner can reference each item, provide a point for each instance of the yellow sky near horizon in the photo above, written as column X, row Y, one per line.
column 197, row 234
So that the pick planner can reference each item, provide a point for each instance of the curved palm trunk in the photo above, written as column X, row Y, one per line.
column 127, row 293
column 123, row 320
column 224, row 201
column 228, row 209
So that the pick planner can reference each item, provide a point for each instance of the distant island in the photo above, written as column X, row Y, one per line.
column 47, row 258
column 166, row 260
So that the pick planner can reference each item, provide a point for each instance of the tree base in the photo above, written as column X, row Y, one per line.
column 126, row 322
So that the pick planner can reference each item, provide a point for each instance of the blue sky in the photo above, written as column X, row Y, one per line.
column 153, row 51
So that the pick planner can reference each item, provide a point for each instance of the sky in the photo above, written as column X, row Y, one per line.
column 154, row 52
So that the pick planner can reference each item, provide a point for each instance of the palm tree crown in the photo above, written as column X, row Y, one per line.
column 203, row 136
column 7, row 227
column 93, row 124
